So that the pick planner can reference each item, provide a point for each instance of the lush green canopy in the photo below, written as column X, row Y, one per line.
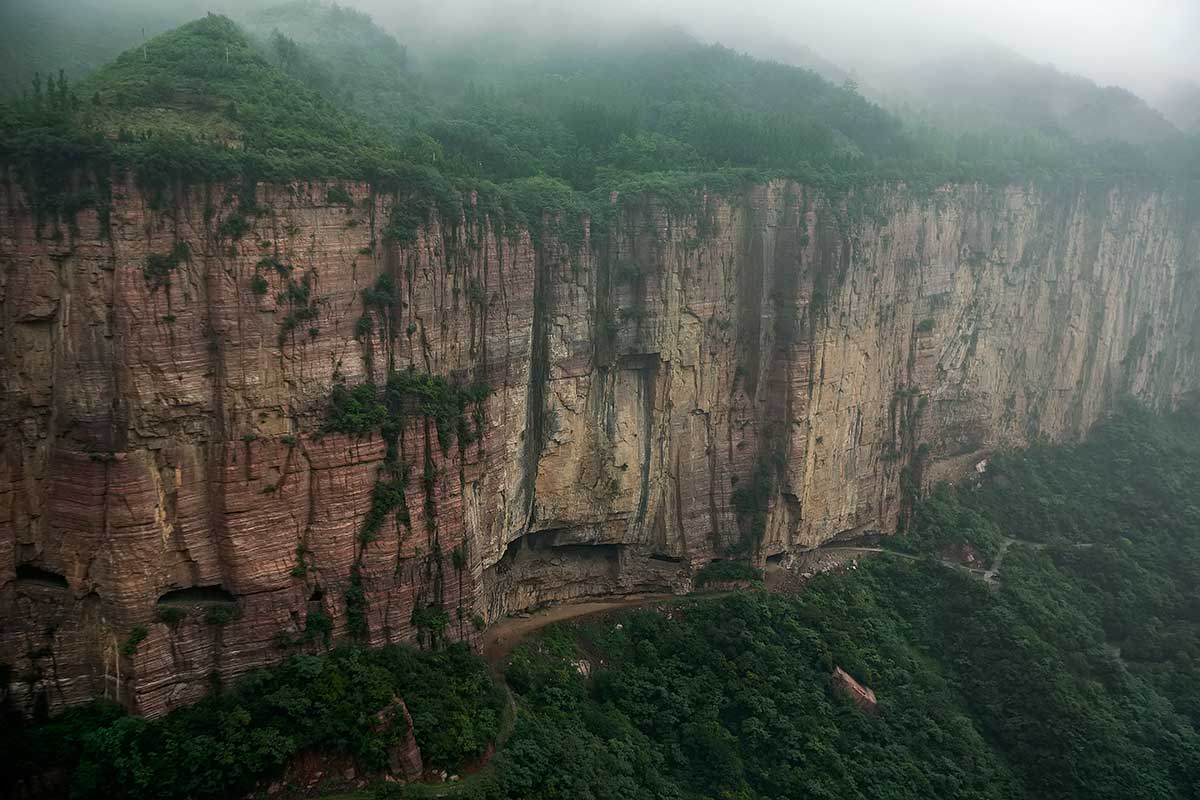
column 322, row 93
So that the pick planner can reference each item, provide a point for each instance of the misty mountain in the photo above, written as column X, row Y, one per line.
column 990, row 88
column 774, row 47
column 80, row 36
column 986, row 88
column 1180, row 102
column 341, row 53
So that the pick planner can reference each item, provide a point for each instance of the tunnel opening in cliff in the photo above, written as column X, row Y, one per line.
column 31, row 575
column 197, row 595
column 563, row 564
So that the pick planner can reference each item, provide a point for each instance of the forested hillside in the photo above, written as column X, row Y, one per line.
column 986, row 88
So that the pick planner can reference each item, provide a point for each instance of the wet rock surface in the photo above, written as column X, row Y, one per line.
column 753, row 377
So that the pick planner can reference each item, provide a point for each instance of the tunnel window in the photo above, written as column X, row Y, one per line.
column 197, row 595
column 28, row 573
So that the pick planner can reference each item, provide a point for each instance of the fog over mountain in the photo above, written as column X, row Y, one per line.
column 1142, row 46
column 1076, row 67
column 1146, row 46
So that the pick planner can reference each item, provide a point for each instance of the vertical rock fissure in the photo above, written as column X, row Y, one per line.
column 751, row 283
column 539, row 369
column 647, row 381
column 714, row 513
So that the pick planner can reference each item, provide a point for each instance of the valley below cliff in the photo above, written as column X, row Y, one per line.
column 239, row 426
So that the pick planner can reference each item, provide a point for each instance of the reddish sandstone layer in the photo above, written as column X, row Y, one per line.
column 159, row 438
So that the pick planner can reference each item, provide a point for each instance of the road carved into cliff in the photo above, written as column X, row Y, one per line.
column 503, row 637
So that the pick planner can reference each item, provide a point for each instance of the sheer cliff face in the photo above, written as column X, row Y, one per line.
column 747, row 377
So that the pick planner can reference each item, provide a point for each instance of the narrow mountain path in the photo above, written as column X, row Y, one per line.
column 990, row 576
column 501, row 638
column 506, row 635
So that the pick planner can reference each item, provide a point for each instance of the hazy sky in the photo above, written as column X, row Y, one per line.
column 1135, row 43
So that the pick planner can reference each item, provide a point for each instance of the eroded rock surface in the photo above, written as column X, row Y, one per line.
column 748, row 377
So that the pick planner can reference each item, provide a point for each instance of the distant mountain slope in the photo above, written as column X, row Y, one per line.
column 341, row 53
column 41, row 37
column 207, row 77
column 199, row 101
column 990, row 88
column 321, row 91
column 80, row 36
column 1181, row 104
column 332, row 30
column 773, row 47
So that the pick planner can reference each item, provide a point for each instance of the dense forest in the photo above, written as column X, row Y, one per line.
column 309, row 91
column 1073, row 676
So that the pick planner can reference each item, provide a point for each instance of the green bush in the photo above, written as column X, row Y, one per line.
column 171, row 615
column 225, row 744
column 723, row 570
column 222, row 614
column 136, row 637
column 235, row 226
column 358, row 410
column 158, row 268
column 337, row 195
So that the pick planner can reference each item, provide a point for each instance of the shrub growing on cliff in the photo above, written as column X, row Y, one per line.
column 158, row 268
column 356, row 410
column 430, row 621
column 356, row 606
column 222, row 614
column 337, row 195
column 234, row 227
column 726, row 570
column 750, row 500
column 443, row 401
column 171, row 615
column 386, row 496
column 136, row 637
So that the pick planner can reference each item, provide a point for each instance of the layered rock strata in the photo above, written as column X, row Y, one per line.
column 741, row 377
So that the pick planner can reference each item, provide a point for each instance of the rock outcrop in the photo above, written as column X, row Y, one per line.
column 404, row 755
column 741, row 377
column 855, row 692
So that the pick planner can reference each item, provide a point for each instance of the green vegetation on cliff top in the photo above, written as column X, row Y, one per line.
column 667, row 115
column 201, row 102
